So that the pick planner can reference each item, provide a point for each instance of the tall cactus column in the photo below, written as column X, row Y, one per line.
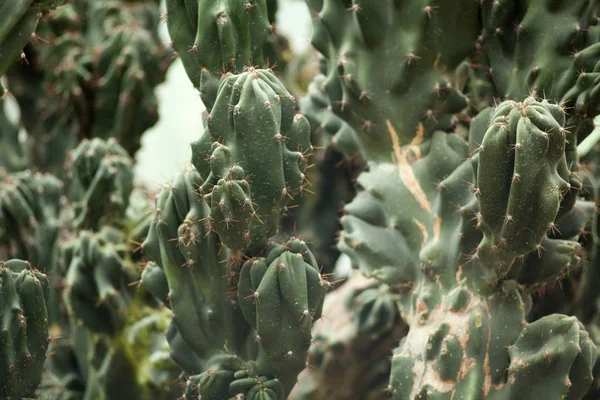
column 250, row 162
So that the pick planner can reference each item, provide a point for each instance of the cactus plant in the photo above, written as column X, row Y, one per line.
column 253, row 113
column 103, row 82
column 19, row 22
column 24, row 334
column 217, row 317
column 29, row 216
column 457, row 139
column 444, row 246
column 349, row 354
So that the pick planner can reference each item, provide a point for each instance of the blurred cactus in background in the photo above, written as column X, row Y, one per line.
column 91, row 73
column 446, row 151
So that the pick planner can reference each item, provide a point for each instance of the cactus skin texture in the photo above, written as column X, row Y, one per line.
column 216, row 37
column 23, row 330
column 522, row 175
column 564, row 69
column 318, row 109
column 464, row 292
column 393, row 61
column 252, row 155
column 189, row 273
column 283, row 289
column 195, row 277
column 12, row 154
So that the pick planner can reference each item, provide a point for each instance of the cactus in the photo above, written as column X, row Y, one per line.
column 104, row 82
column 24, row 330
column 101, row 182
column 190, row 274
column 484, row 283
column 393, row 62
column 12, row 157
column 469, row 127
column 465, row 258
column 349, row 354
column 253, row 115
column 117, row 333
column 19, row 21
column 216, row 37
column 196, row 278
column 29, row 216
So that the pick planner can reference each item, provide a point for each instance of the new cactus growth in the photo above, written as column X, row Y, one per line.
column 253, row 156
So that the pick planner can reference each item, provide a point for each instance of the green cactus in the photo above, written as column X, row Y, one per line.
column 318, row 109
column 283, row 289
column 190, row 273
column 97, row 292
column 474, row 229
column 389, row 62
column 62, row 378
column 465, row 290
column 12, row 157
column 29, row 217
column 115, row 329
column 85, row 82
column 252, row 155
column 216, row 37
column 24, row 328
column 198, row 280
column 19, row 21
column 101, row 182
column 522, row 176
column 234, row 200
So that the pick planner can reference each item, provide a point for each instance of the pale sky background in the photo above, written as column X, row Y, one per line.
column 166, row 147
